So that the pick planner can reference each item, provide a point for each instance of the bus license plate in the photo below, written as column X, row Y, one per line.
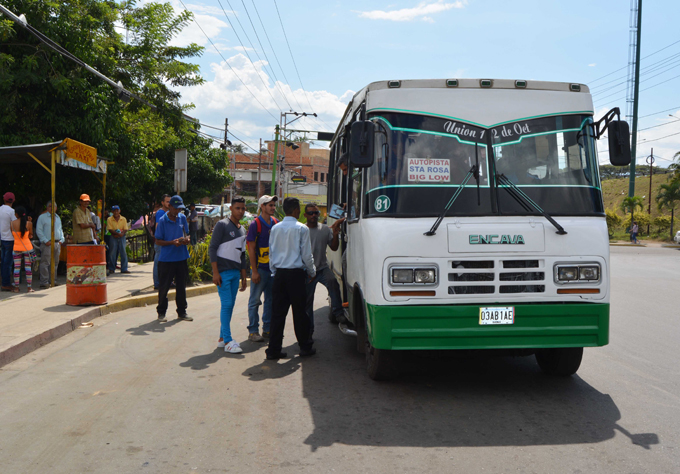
column 497, row 315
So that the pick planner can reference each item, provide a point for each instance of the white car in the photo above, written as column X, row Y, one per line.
column 677, row 237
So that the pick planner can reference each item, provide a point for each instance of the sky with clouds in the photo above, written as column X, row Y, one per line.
column 255, row 68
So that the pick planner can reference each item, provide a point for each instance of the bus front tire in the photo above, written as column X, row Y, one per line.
column 563, row 361
column 380, row 363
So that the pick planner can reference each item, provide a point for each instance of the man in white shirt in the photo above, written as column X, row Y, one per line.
column 43, row 230
column 7, row 215
column 292, row 264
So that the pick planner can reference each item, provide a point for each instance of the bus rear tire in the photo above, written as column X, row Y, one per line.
column 563, row 361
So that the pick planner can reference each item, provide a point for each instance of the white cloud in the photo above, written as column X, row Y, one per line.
column 192, row 33
column 421, row 11
column 226, row 96
column 592, row 64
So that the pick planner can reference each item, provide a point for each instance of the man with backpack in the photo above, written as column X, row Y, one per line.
column 262, row 280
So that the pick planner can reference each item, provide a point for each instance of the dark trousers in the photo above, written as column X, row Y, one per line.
column 7, row 262
column 166, row 272
column 289, row 289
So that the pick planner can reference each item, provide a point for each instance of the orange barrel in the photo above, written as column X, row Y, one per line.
column 86, row 275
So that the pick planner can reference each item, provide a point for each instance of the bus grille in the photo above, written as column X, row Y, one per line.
column 468, row 271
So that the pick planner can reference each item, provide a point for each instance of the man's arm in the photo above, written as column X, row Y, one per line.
column 160, row 236
column 306, row 252
column 255, row 275
column 215, row 241
column 272, row 237
column 39, row 230
column 335, row 228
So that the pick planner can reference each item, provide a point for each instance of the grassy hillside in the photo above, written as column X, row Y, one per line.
column 614, row 190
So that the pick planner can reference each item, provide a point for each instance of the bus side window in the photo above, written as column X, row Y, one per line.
column 330, row 178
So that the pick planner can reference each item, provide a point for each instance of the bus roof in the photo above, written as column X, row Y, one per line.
column 474, row 100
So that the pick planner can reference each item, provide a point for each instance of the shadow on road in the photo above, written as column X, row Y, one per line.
column 449, row 402
column 151, row 327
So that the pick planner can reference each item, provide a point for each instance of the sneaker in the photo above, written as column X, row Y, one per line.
column 221, row 343
column 280, row 355
column 161, row 318
column 266, row 335
column 255, row 337
column 233, row 348
column 185, row 317
column 308, row 353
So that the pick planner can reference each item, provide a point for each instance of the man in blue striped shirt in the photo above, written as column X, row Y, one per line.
column 292, row 264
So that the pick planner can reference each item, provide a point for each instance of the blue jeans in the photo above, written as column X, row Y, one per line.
column 7, row 262
column 156, row 256
column 227, row 291
column 118, row 247
column 326, row 278
column 264, row 286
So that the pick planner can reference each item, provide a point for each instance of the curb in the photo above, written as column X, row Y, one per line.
column 627, row 245
column 35, row 342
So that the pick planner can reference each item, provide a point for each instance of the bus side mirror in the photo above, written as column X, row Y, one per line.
column 619, row 143
column 362, row 141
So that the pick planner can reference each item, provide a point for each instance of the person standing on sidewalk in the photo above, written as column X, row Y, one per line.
column 7, row 216
column 118, row 227
column 634, row 232
column 165, row 205
column 321, row 236
column 228, row 259
column 193, row 224
column 292, row 264
column 261, row 279
column 43, row 229
column 22, row 230
column 83, row 227
column 172, row 236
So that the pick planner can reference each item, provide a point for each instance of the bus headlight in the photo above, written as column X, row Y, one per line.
column 402, row 275
column 567, row 273
column 590, row 273
column 425, row 275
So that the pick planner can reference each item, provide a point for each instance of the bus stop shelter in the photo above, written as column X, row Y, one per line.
column 67, row 152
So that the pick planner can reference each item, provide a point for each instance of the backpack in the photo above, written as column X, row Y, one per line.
column 258, row 225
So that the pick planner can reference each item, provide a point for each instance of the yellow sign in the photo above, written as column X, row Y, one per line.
column 80, row 152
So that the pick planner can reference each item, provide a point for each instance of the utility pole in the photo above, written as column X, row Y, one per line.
column 226, row 141
column 650, row 161
column 636, row 100
column 276, row 151
column 259, row 171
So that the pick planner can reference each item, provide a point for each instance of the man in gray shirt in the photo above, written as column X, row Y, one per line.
column 322, row 236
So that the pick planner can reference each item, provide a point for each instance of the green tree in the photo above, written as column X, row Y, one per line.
column 47, row 97
column 668, row 196
column 630, row 203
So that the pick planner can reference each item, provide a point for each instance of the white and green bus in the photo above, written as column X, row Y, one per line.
column 475, row 219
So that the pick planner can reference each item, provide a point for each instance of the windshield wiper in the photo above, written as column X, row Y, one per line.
column 474, row 171
column 526, row 202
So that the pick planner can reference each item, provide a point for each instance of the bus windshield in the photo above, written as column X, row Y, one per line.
column 420, row 161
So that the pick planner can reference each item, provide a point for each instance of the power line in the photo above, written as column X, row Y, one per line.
column 660, row 125
column 227, row 63
column 275, row 55
column 660, row 138
column 661, row 111
column 245, row 50
column 276, row 79
column 647, row 69
column 624, row 67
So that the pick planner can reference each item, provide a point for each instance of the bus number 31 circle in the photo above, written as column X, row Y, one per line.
column 382, row 203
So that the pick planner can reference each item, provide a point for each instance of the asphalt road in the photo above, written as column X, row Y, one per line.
column 134, row 395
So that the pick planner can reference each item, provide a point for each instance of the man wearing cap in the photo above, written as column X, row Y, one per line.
column 43, row 230
column 172, row 235
column 193, row 223
column 261, row 280
column 118, row 227
column 7, row 215
column 83, row 227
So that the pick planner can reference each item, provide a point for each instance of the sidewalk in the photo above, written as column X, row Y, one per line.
column 31, row 320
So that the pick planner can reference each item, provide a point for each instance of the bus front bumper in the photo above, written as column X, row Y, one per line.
column 458, row 327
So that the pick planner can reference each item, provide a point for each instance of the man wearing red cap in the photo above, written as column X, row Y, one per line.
column 83, row 227
column 7, row 215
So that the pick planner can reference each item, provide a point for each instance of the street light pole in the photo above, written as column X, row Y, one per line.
column 276, row 151
column 259, row 170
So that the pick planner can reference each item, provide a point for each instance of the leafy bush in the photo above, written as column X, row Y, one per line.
column 199, row 261
column 642, row 219
column 662, row 222
column 614, row 221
